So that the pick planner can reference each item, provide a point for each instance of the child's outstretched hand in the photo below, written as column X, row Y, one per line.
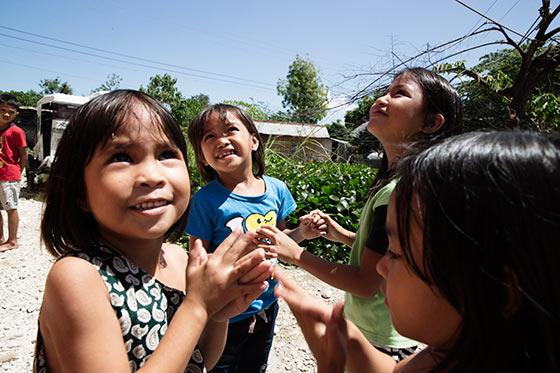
column 227, row 281
column 323, row 326
column 329, row 228
column 312, row 225
column 277, row 242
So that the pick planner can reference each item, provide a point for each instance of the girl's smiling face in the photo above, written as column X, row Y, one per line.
column 227, row 146
column 398, row 114
column 137, row 184
column 417, row 310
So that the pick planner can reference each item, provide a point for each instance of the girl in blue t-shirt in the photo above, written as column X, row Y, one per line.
column 230, row 156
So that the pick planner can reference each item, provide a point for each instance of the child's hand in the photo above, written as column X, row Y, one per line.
column 256, row 275
column 329, row 228
column 312, row 226
column 232, row 276
column 278, row 243
column 323, row 326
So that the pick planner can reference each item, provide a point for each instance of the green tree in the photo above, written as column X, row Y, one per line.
column 304, row 96
column 28, row 98
column 55, row 85
column 338, row 130
column 257, row 111
column 163, row 88
column 113, row 82
column 485, row 98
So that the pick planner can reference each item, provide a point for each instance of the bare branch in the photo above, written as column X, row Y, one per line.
column 487, row 18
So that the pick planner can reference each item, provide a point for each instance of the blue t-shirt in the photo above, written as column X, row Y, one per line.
column 215, row 212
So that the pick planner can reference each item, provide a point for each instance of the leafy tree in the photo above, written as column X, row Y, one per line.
column 163, row 88
column 355, row 117
column 485, row 104
column 55, row 85
column 303, row 94
column 338, row 130
column 257, row 111
column 28, row 98
column 113, row 82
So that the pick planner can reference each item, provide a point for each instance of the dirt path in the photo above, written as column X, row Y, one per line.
column 22, row 277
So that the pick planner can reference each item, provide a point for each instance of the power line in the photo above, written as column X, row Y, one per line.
column 134, row 63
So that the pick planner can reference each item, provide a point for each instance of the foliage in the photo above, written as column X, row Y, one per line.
column 338, row 130
column 163, row 88
column 486, row 96
column 55, row 85
column 113, row 82
column 353, row 118
column 303, row 94
column 28, row 98
column 256, row 110
column 339, row 189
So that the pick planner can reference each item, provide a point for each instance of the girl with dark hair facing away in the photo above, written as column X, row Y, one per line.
column 418, row 108
column 230, row 156
column 115, row 298
column 472, row 264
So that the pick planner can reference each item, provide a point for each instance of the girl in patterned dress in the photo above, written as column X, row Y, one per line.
column 118, row 298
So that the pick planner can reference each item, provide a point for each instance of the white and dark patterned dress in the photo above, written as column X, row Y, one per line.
column 143, row 305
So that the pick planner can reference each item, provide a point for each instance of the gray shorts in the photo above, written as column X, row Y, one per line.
column 9, row 194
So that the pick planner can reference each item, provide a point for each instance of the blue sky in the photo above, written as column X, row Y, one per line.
column 232, row 49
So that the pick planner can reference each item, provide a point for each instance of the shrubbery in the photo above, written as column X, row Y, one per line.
column 339, row 189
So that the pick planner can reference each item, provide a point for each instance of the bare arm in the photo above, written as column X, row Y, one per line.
column 362, row 281
column 334, row 341
column 81, row 332
column 22, row 158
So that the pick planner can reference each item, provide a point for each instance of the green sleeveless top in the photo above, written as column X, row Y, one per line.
column 370, row 314
column 143, row 305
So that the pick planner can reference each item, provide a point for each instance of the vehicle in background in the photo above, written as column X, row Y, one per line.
column 53, row 112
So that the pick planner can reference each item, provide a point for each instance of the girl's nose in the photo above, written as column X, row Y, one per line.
column 382, row 100
column 381, row 266
column 149, row 174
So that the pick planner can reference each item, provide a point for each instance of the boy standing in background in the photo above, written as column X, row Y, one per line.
column 13, row 158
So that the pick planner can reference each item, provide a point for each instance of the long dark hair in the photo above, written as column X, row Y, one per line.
column 439, row 98
column 65, row 226
column 196, row 131
column 489, row 208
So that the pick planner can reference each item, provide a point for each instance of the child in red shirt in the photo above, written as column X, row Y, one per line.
column 13, row 157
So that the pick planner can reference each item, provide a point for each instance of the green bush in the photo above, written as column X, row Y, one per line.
column 338, row 189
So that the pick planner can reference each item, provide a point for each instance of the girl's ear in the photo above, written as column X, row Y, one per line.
column 435, row 124
column 254, row 143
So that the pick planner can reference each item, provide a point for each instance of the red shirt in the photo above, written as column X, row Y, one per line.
column 11, row 141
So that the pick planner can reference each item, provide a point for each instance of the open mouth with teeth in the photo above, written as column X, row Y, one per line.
column 148, row 205
column 225, row 154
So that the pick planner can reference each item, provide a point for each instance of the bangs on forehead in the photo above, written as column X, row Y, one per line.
column 156, row 126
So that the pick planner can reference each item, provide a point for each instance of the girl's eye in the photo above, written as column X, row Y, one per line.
column 120, row 157
column 391, row 255
column 208, row 137
column 232, row 129
column 169, row 154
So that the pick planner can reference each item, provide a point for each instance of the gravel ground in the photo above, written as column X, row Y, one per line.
column 22, row 277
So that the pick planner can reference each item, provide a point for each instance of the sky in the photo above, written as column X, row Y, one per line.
column 236, row 50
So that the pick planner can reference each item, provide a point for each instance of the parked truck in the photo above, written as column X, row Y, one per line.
column 53, row 112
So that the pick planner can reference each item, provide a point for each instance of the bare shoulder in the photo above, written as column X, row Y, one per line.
column 72, row 283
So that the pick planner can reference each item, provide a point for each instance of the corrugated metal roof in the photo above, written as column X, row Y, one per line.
column 292, row 129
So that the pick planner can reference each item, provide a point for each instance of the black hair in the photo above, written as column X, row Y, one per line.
column 66, row 226
column 489, row 208
column 196, row 132
column 439, row 98
column 9, row 99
